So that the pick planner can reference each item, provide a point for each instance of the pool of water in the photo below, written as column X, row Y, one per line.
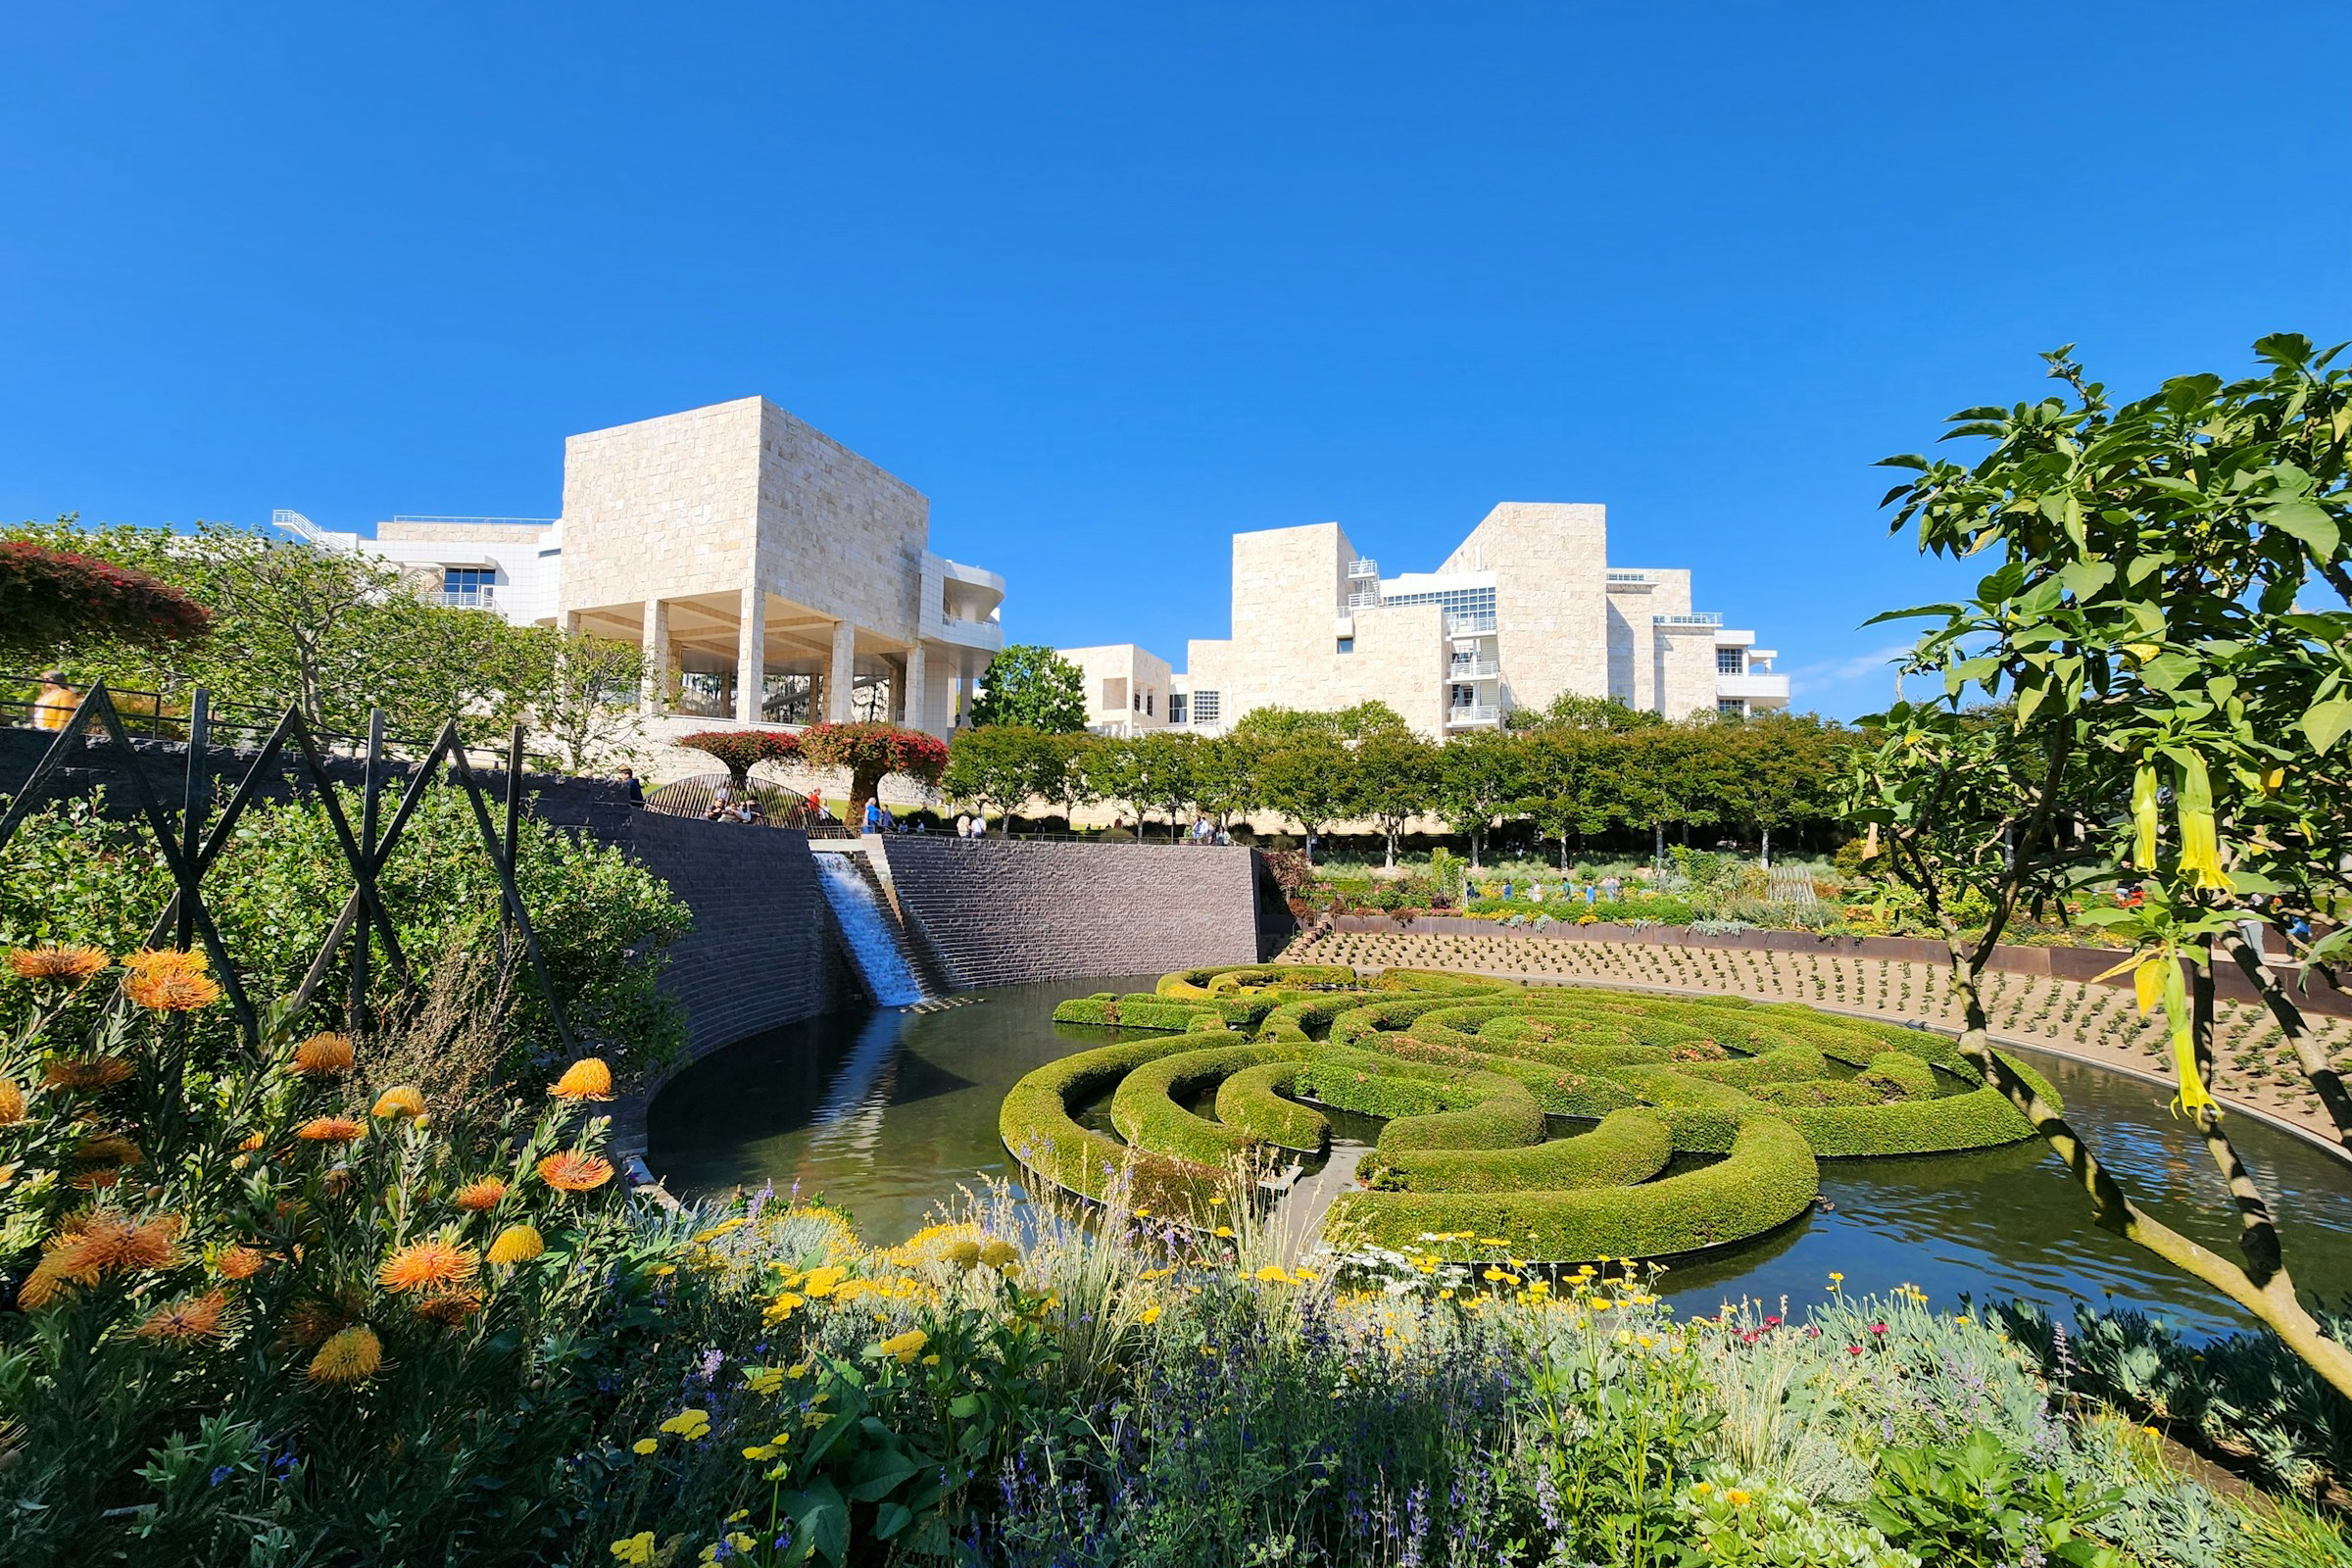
column 885, row 1113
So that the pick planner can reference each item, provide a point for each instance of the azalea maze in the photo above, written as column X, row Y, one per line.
column 1553, row 1123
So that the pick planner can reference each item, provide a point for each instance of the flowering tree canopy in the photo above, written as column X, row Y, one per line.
column 872, row 753
column 742, row 748
column 51, row 596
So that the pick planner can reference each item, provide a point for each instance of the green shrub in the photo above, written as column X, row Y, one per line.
column 1252, row 1100
column 1901, row 1074
column 1627, row 1147
column 1038, row 1129
column 1135, row 1012
column 1144, row 1110
column 1768, row 1178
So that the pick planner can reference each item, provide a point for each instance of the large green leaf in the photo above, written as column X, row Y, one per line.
column 2325, row 723
column 2308, row 522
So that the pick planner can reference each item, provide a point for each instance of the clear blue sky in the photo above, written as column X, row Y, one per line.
column 1110, row 283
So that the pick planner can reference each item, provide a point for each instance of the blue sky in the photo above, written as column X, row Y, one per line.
column 1110, row 282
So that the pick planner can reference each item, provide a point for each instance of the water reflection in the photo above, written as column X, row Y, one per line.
column 886, row 1114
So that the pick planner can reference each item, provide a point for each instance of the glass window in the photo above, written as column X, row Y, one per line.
column 1148, row 696
column 1176, row 707
column 1731, row 705
column 1731, row 661
column 1347, row 645
column 1205, row 707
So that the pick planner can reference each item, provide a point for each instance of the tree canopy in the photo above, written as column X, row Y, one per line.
column 1034, row 687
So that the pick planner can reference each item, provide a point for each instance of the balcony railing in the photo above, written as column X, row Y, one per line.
column 1469, row 625
column 1363, row 566
column 1474, row 670
column 1703, row 618
column 1363, row 599
column 1632, row 576
column 484, row 597
column 1461, row 715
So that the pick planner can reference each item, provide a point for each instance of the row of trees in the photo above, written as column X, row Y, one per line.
column 284, row 624
column 1579, row 770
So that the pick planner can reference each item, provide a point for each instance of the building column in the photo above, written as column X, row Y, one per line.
column 571, row 623
column 841, row 677
column 750, row 657
column 657, row 656
column 914, row 687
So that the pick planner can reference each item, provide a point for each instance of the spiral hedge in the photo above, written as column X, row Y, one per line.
column 1554, row 1123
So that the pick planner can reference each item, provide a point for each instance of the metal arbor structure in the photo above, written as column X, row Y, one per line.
column 190, row 849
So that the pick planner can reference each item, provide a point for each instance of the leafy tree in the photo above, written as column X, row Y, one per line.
column 1225, row 776
column 2175, row 717
column 1575, row 711
column 1118, row 770
column 1167, row 758
column 582, row 694
column 1396, row 774
column 742, row 750
column 1034, row 687
column 1780, row 769
column 1356, row 724
column 1562, row 783
column 1003, row 766
column 1062, row 771
column 1477, row 773
column 1312, row 778
column 872, row 752
column 50, row 598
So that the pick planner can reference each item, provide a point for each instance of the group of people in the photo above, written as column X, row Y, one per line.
column 1607, row 890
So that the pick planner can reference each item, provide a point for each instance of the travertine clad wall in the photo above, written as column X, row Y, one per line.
column 662, row 507
column 1000, row 911
column 838, row 534
column 1550, row 561
column 762, row 952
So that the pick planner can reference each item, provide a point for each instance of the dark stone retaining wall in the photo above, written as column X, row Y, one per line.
column 2312, row 992
column 1000, row 911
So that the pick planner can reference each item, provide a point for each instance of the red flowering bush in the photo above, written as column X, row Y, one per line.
column 49, row 597
column 872, row 753
column 742, row 748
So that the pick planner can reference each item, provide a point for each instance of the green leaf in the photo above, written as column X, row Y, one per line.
column 2083, row 578
column 1918, row 610
column 964, row 1406
column 2308, row 522
column 2324, row 723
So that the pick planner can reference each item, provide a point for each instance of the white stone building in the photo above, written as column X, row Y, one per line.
column 1525, row 609
column 775, row 575
column 1128, row 690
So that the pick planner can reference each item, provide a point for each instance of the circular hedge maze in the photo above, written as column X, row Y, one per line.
column 1548, row 1123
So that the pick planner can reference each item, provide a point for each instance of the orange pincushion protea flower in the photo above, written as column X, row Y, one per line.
column 241, row 1262
column 401, row 1100
column 43, row 1286
column 586, row 1079
column 71, row 965
column 110, row 1241
column 89, row 1073
column 428, row 1266
column 12, row 1103
column 106, row 1149
column 479, row 1196
column 449, row 1307
column 195, row 1317
column 324, row 1055
column 171, row 993
column 155, row 962
column 575, row 1172
column 328, row 1130
column 517, row 1244
column 349, row 1355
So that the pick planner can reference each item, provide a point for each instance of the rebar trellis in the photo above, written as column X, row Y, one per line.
column 190, row 850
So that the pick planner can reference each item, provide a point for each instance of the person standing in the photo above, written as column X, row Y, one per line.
column 628, row 780
column 54, row 707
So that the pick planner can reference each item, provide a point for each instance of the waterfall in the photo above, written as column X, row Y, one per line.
column 872, row 935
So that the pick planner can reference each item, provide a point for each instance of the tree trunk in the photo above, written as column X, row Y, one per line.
column 2272, row 1300
column 2310, row 1055
column 1391, row 864
column 1767, row 832
column 1657, row 860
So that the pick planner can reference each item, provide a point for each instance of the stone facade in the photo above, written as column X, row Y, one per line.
column 1127, row 689
column 1526, row 608
column 1003, row 912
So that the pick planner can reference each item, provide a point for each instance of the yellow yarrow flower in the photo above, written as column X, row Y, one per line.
column 689, row 1424
column 636, row 1552
column 644, row 1445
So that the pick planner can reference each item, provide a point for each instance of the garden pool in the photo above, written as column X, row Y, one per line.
column 885, row 1113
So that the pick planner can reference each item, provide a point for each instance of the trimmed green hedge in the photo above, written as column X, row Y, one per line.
column 1038, row 1131
column 1768, row 1179
column 1134, row 1012
column 1627, row 1147
column 1252, row 1101
column 1145, row 1108
column 1901, row 1075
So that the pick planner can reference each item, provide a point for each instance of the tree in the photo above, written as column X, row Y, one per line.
column 1356, row 724
column 1561, row 783
column 871, row 753
column 742, row 750
column 1062, row 771
column 1477, row 772
column 2176, row 715
column 1166, row 757
column 1395, row 775
column 1002, row 766
column 1225, row 776
column 1309, row 777
column 1034, row 687
column 1779, row 770
column 584, row 694
column 50, row 598
column 1575, row 711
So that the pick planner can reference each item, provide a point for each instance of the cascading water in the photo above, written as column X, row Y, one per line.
column 870, row 932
